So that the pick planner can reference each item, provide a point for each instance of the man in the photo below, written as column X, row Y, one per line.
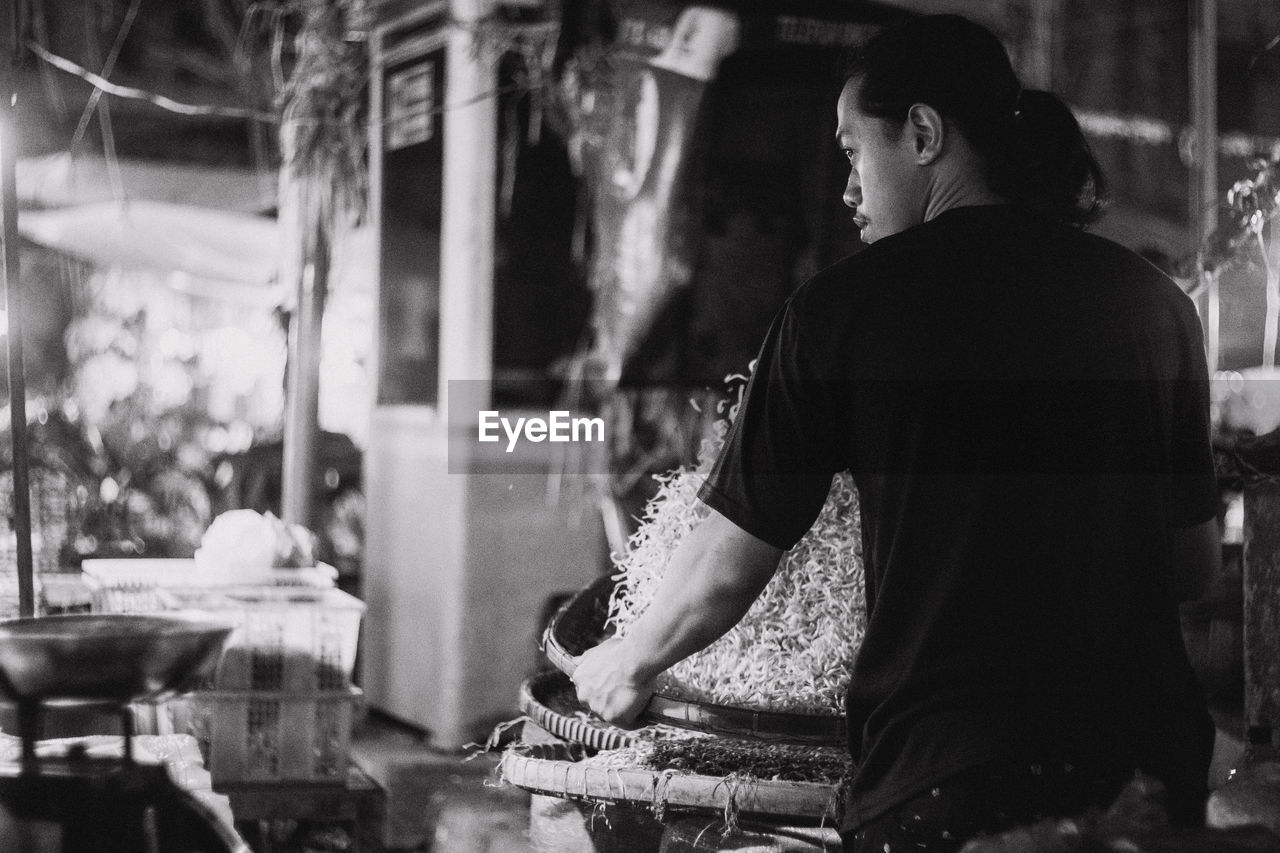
column 1024, row 410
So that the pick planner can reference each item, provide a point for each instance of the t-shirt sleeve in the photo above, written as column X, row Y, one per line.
column 1193, row 482
column 774, row 472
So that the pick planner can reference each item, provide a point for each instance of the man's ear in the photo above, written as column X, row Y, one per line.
column 926, row 132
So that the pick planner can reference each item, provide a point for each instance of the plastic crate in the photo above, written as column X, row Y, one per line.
column 248, row 736
column 286, row 639
column 135, row 584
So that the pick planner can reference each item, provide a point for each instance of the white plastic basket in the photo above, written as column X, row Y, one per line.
column 298, row 633
column 249, row 736
column 134, row 584
column 291, row 639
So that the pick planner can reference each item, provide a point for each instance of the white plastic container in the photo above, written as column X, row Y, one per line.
column 250, row 736
column 294, row 639
column 133, row 584
column 296, row 632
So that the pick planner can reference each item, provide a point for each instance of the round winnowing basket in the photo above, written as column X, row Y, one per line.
column 558, row 770
column 580, row 625
column 549, row 700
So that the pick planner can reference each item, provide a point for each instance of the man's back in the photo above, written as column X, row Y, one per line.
column 1022, row 407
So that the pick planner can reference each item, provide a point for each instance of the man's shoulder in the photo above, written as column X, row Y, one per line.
column 902, row 267
column 853, row 276
column 1130, row 273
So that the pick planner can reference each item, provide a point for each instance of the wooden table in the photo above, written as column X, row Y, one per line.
column 265, row 812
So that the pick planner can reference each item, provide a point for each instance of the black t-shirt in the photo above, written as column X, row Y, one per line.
column 1024, row 408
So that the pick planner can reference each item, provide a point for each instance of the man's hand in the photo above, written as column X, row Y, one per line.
column 606, row 684
column 714, row 574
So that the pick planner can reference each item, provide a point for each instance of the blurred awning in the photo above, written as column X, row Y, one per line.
column 58, row 180
column 210, row 253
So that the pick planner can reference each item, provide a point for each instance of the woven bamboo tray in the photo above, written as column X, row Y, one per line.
column 548, row 699
column 580, row 625
column 554, row 769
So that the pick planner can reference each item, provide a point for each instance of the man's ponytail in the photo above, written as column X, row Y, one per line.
column 1048, row 163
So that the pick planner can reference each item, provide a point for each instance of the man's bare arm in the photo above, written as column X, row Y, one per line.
column 715, row 574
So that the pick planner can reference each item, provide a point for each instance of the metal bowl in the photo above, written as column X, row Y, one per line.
column 106, row 657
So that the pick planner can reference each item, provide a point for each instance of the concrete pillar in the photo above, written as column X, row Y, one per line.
column 470, row 181
column 458, row 568
column 458, row 564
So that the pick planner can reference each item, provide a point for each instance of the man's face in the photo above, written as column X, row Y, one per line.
column 886, row 187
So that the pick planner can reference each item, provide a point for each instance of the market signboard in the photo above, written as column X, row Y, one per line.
column 407, row 169
column 411, row 103
column 641, row 134
column 664, row 58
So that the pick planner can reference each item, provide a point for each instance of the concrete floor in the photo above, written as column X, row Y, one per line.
column 435, row 800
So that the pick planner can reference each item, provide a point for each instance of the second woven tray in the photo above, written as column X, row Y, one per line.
column 580, row 625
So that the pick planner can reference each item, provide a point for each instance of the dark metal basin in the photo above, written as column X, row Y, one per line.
column 108, row 657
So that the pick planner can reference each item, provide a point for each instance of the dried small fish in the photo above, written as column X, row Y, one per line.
column 719, row 757
column 793, row 651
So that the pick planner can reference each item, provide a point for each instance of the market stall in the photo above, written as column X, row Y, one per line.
column 572, row 759
column 107, row 792
column 270, row 658
column 701, row 221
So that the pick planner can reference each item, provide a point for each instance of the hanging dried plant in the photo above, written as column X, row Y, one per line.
column 1252, row 203
column 323, row 113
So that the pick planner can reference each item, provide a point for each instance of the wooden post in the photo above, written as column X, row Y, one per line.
column 315, row 193
column 302, row 406
column 13, row 305
column 1203, row 215
column 1251, row 797
column 1046, row 24
column 1262, row 607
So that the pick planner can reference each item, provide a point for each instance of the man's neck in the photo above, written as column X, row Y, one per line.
column 958, row 180
column 947, row 196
